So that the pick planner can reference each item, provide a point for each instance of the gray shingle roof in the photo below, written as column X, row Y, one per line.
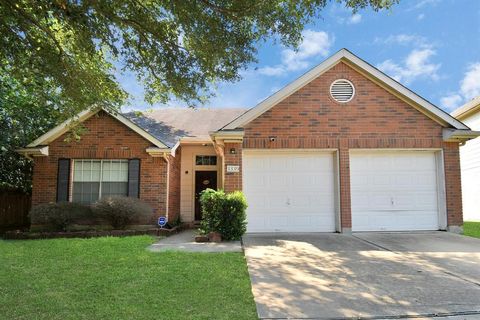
column 170, row 124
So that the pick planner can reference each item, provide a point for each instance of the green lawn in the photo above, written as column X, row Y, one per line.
column 471, row 229
column 116, row 278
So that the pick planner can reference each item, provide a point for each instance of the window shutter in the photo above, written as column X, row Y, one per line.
column 63, row 179
column 134, row 178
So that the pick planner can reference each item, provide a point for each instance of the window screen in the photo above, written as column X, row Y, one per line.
column 93, row 179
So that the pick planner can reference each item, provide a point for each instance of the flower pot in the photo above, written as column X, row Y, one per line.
column 215, row 237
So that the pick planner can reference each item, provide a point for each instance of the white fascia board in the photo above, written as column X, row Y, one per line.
column 158, row 152
column 56, row 132
column 41, row 151
column 453, row 135
column 343, row 54
column 227, row 134
column 468, row 108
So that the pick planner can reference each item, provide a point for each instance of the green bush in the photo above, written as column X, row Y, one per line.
column 59, row 216
column 122, row 211
column 224, row 213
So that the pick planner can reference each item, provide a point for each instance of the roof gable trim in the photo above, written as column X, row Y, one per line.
column 62, row 128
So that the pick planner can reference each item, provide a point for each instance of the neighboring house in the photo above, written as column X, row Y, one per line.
column 470, row 161
column 344, row 147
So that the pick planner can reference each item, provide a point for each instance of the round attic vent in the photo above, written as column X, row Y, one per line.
column 342, row 90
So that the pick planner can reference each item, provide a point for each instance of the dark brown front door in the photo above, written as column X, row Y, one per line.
column 203, row 180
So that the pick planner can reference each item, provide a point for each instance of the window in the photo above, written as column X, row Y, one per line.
column 93, row 179
column 342, row 90
column 206, row 160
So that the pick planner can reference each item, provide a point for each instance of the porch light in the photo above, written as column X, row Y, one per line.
column 233, row 151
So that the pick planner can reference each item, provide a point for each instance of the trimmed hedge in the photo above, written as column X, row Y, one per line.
column 121, row 211
column 224, row 213
column 59, row 216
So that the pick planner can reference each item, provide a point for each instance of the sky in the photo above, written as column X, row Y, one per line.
column 430, row 46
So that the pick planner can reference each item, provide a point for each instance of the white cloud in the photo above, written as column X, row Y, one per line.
column 470, row 85
column 355, row 18
column 451, row 101
column 423, row 3
column 272, row 71
column 469, row 88
column 314, row 43
column 405, row 39
column 416, row 65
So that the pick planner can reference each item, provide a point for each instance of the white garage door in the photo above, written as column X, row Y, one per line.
column 289, row 191
column 394, row 191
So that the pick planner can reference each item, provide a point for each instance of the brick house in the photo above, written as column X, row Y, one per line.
column 342, row 148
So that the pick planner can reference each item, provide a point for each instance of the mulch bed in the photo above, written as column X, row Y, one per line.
column 26, row 235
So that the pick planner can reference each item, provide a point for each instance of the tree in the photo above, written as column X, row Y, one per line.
column 23, row 117
column 176, row 48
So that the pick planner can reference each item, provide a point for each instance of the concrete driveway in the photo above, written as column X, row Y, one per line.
column 368, row 275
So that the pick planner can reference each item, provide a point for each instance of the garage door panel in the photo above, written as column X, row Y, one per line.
column 393, row 191
column 394, row 220
column 289, row 191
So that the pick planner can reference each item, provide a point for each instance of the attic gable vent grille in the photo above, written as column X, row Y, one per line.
column 342, row 90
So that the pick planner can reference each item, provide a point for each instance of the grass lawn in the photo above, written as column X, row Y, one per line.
column 471, row 229
column 117, row 278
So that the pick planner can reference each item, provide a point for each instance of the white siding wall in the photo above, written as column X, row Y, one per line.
column 187, row 180
column 470, row 162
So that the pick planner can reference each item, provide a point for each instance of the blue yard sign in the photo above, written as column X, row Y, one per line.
column 162, row 221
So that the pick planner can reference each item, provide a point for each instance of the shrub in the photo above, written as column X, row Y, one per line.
column 224, row 213
column 59, row 216
column 121, row 211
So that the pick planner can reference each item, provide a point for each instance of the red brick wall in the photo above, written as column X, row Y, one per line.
column 233, row 180
column 106, row 138
column 174, row 186
column 453, row 187
column 375, row 118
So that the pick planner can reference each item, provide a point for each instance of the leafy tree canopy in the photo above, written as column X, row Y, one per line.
column 27, row 110
column 177, row 48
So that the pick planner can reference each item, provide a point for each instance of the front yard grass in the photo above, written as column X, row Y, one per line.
column 471, row 229
column 117, row 278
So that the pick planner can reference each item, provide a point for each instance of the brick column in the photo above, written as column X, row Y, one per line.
column 453, row 186
column 233, row 180
column 345, row 199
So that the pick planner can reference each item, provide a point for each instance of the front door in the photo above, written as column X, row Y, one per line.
column 203, row 180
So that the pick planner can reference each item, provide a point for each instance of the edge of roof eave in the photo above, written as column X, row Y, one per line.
column 457, row 135
column 84, row 115
column 343, row 54
column 468, row 108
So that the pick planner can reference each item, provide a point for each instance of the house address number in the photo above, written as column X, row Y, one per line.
column 233, row 168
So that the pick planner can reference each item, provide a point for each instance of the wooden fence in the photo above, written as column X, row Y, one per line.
column 14, row 208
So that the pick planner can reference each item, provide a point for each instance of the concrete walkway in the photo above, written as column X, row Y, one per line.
column 368, row 275
column 185, row 241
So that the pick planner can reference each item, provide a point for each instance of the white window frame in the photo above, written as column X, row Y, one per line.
column 101, row 173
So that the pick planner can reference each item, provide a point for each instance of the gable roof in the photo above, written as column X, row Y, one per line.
column 467, row 109
column 173, row 124
column 360, row 65
column 162, row 127
column 62, row 128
